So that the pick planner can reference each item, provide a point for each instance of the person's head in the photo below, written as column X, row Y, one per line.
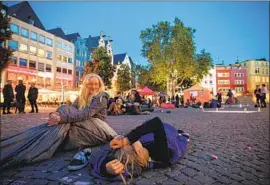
column 20, row 82
column 257, row 86
column 33, row 84
column 91, row 86
column 9, row 82
column 133, row 162
column 263, row 85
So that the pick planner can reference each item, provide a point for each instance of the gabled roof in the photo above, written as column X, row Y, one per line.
column 119, row 58
column 92, row 42
column 58, row 32
column 24, row 12
column 73, row 36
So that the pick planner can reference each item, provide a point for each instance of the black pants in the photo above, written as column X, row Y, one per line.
column 263, row 97
column 20, row 105
column 33, row 105
column 6, row 104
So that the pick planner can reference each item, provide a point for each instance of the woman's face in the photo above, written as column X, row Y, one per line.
column 93, row 85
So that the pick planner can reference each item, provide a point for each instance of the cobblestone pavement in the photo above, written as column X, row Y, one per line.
column 239, row 140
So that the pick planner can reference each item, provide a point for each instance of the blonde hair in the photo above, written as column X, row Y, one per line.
column 84, row 99
column 133, row 160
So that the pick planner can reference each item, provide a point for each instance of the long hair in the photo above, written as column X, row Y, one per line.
column 133, row 163
column 84, row 98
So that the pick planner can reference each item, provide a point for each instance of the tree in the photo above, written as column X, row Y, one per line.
column 124, row 78
column 101, row 65
column 170, row 51
column 5, row 35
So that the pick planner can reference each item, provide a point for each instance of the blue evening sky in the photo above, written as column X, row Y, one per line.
column 225, row 29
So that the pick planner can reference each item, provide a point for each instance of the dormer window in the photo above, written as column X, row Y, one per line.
column 31, row 21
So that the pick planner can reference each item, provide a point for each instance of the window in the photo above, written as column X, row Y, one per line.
column 33, row 50
column 205, row 82
column 223, row 82
column 49, row 55
column 42, row 39
column 211, row 82
column 33, row 35
column 59, row 57
column 41, row 66
column 13, row 60
column 70, row 72
column 239, row 89
column 262, row 70
column 65, row 47
column 24, row 33
column 13, row 44
column 210, row 75
column 257, row 70
column 77, row 73
column 31, row 21
column 65, row 70
column 23, row 62
column 14, row 28
column 48, row 68
column 70, row 49
column 223, row 75
column 49, row 42
column 23, row 48
column 32, row 64
column 78, row 52
column 239, row 82
column 41, row 53
column 266, row 71
column 65, row 59
column 59, row 44
column 58, row 69
column 77, row 63
column 69, row 60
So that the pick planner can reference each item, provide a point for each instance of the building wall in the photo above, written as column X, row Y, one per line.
column 36, row 60
column 238, row 81
column 209, row 81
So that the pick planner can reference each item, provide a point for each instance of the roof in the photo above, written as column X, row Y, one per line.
column 24, row 12
column 119, row 58
column 92, row 42
column 73, row 36
column 58, row 32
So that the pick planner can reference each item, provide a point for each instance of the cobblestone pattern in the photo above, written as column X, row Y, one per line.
column 240, row 142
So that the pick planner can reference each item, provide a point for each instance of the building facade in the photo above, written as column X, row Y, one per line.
column 36, row 52
column 257, row 72
column 238, row 80
column 209, row 81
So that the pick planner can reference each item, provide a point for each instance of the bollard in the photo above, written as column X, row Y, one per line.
column 245, row 109
column 216, row 109
column 240, row 105
column 259, row 109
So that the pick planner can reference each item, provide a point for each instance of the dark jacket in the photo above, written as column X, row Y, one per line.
column 8, row 92
column 32, row 93
column 20, row 92
column 168, row 151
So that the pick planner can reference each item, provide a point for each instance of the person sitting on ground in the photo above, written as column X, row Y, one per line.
column 187, row 105
column 70, row 127
column 116, row 107
column 153, row 144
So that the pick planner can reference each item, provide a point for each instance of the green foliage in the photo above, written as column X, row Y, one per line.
column 170, row 51
column 5, row 35
column 124, row 78
column 204, row 64
column 101, row 65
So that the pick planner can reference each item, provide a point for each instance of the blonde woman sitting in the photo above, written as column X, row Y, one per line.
column 80, row 125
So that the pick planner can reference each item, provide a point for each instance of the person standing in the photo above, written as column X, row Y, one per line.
column 32, row 97
column 20, row 96
column 257, row 93
column 177, row 100
column 230, row 95
column 8, row 97
column 263, row 96
column 219, row 98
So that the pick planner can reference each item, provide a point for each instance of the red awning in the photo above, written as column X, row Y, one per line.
column 146, row 91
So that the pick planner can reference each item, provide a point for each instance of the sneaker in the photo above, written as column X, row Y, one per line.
column 80, row 160
column 186, row 135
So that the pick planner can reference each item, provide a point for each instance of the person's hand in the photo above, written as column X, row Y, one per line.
column 54, row 119
column 138, row 147
column 114, row 167
column 119, row 143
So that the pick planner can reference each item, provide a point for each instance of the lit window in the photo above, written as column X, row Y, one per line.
column 14, row 28
column 23, row 48
column 59, row 57
column 33, row 50
column 65, row 59
column 33, row 36
column 24, row 33
column 42, row 39
column 13, row 61
column 41, row 53
column 23, row 62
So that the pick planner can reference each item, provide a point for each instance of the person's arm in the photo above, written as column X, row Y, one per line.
column 156, row 127
column 98, row 103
